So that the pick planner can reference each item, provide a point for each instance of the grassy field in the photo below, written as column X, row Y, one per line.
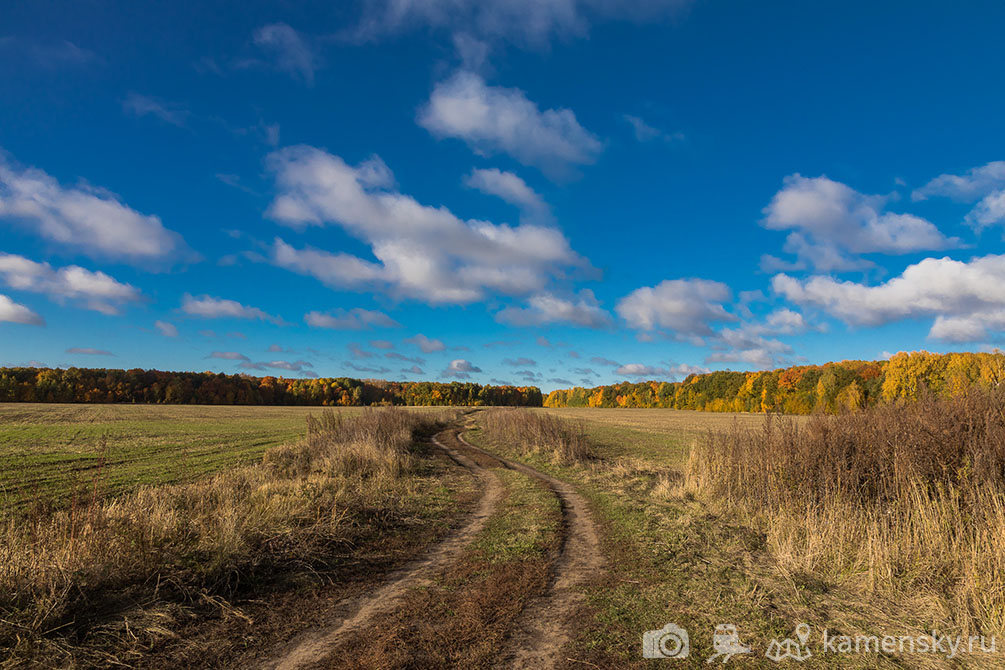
column 337, row 499
column 661, row 434
column 50, row 452
column 684, row 552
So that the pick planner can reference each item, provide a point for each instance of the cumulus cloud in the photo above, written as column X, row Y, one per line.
column 291, row 51
column 382, row 344
column 512, row 189
column 91, row 290
column 685, row 307
column 460, row 369
column 356, row 318
column 833, row 225
column 966, row 299
column 166, row 328
column 208, row 307
column 746, row 345
column 83, row 218
column 494, row 120
column 414, row 370
column 968, row 187
column 528, row 23
column 168, row 112
column 426, row 344
column 546, row 308
column 88, row 351
column 984, row 185
column 425, row 253
column 13, row 312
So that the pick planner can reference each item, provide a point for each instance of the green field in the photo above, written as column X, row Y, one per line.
column 51, row 452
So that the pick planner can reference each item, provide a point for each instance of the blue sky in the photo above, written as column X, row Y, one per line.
column 553, row 192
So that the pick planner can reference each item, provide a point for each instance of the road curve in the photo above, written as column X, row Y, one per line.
column 316, row 645
column 544, row 628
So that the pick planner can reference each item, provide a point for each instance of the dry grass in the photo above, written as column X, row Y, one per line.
column 537, row 433
column 67, row 578
column 906, row 501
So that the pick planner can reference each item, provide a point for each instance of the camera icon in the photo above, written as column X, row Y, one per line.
column 671, row 641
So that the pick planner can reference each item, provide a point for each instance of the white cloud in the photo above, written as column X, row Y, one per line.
column 427, row 345
column 513, row 190
column 382, row 344
column 166, row 328
column 424, row 253
column 218, row 308
column 334, row 270
column 528, row 23
column 747, row 345
column 292, row 52
column 356, row 318
column 686, row 307
column 652, row 372
column 358, row 352
column 832, row 225
column 365, row 368
column 600, row 360
column 13, row 312
column 92, row 290
column 460, row 369
column 290, row 366
column 519, row 362
column 984, row 185
column 968, row 187
column 395, row 356
column 229, row 356
column 967, row 299
column 990, row 211
column 647, row 133
column 495, row 120
column 546, row 308
column 83, row 218
column 88, row 351
column 142, row 105
column 51, row 56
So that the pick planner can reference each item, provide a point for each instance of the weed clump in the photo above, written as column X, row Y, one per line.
column 904, row 499
column 535, row 433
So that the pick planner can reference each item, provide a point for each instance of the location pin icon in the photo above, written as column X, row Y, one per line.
column 803, row 632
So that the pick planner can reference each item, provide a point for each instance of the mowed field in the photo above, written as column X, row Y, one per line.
column 660, row 434
column 51, row 452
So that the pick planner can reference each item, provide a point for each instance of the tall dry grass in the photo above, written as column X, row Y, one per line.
column 906, row 500
column 533, row 433
column 74, row 569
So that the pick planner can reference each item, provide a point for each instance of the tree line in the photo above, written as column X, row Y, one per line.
column 99, row 385
column 803, row 389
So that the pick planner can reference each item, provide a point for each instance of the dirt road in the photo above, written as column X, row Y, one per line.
column 542, row 631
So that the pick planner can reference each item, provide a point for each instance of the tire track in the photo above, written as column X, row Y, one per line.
column 544, row 628
column 359, row 611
